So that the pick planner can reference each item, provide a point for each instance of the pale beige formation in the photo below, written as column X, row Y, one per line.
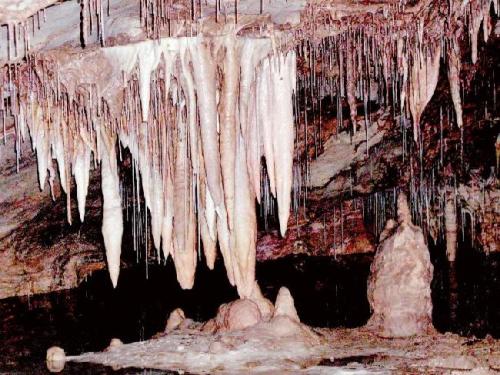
column 400, row 278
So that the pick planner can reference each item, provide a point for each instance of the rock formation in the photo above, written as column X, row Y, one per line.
column 400, row 277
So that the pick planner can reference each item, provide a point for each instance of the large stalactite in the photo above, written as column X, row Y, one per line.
column 195, row 153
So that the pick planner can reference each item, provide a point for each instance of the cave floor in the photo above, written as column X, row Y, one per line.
column 340, row 351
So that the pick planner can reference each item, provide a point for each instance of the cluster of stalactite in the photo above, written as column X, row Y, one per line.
column 92, row 20
column 445, row 210
column 389, row 60
column 160, row 17
column 395, row 62
column 197, row 115
column 19, row 34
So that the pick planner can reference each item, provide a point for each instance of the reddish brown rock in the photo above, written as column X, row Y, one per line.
column 331, row 228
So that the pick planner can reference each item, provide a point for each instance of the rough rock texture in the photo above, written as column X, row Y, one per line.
column 342, row 150
column 238, row 340
column 481, row 204
column 328, row 228
column 39, row 251
column 341, row 351
column 399, row 283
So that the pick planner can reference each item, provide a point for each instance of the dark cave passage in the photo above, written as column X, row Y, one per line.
column 328, row 293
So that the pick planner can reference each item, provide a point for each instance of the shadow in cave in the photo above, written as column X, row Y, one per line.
column 466, row 293
column 327, row 292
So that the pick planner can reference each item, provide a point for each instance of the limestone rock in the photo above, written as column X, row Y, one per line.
column 399, row 283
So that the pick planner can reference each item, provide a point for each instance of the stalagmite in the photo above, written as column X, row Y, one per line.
column 285, row 305
column 56, row 358
column 399, row 290
column 112, row 220
column 450, row 222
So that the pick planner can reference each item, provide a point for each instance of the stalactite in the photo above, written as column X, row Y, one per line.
column 198, row 158
column 265, row 121
column 351, row 83
column 208, row 233
column 450, row 220
column 454, row 67
column 204, row 75
column 112, row 220
column 81, row 171
column 283, row 84
column 245, row 225
column 423, row 81
column 184, row 254
column 228, row 121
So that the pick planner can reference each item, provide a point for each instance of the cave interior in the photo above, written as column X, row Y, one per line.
column 280, row 186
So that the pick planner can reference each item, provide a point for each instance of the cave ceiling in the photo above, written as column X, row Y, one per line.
column 200, row 93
